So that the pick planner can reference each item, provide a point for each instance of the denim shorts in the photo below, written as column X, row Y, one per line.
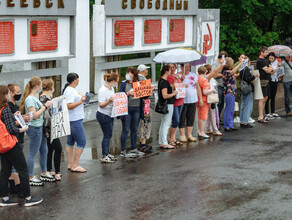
column 77, row 135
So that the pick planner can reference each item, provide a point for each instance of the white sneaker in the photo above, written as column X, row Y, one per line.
column 112, row 157
column 275, row 115
column 106, row 159
column 251, row 121
column 127, row 155
column 35, row 182
column 236, row 120
column 138, row 153
column 47, row 178
column 270, row 116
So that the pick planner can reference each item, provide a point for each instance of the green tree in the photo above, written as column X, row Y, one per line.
column 248, row 24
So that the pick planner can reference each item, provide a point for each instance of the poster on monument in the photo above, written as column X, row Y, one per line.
column 60, row 124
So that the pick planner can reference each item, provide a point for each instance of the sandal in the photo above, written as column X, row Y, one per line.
column 178, row 143
column 262, row 121
column 58, row 176
column 167, row 147
column 78, row 170
column 172, row 143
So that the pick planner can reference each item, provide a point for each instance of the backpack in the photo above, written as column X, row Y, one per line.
column 7, row 141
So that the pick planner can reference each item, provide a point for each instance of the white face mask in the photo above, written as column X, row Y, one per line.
column 128, row 77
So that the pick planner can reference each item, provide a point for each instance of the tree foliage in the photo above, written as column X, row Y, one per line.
column 248, row 24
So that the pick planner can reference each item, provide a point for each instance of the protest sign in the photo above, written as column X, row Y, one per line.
column 20, row 120
column 142, row 88
column 60, row 124
column 120, row 104
column 181, row 90
column 258, row 94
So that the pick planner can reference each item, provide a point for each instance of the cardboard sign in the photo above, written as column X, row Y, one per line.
column 181, row 90
column 142, row 88
column 120, row 105
column 60, row 124
column 6, row 37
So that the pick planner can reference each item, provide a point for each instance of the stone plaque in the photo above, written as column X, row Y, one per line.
column 43, row 35
column 6, row 37
column 124, row 32
column 176, row 30
column 152, row 31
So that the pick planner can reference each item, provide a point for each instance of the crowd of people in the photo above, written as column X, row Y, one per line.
column 209, row 93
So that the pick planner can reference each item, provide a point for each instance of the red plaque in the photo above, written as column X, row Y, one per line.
column 43, row 35
column 152, row 31
column 124, row 33
column 177, row 30
column 6, row 37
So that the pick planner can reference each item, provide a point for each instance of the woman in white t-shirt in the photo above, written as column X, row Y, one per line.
column 103, row 114
column 76, row 115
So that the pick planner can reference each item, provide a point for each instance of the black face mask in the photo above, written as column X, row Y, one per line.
column 17, row 97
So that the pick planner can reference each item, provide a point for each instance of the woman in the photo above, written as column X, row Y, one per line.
column 130, row 121
column 165, row 92
column 187, row 117
column 13, row 157
column 76, row 115
column 211, row 123
column 177, row 107
column 273, row 88
column 246, row 106
column 287, row 80
column 103, row 114
column 230, row 91
column 48, row 89
column 203, row 110
column 37, row 140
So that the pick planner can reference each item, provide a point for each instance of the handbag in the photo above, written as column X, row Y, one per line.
column 213, row 98
column 161, row 106
column 264, row 83
column 244, row 86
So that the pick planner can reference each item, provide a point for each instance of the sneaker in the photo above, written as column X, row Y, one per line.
column 112, row 157
column 236, row 120
column 127, row 155
column 106, row 159
column 275, row 115
column 7, row 202
column 183, row 139
column 270, row 116
column 251, row 121
column 47, row 178
column 138, row 153
column 33, row 201
column 192, row 139
column 35, row 182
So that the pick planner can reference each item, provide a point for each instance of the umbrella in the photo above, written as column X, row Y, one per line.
column 178, row 56
column 201, row 61
column 280, row 50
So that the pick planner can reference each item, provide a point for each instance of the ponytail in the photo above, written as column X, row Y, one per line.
column 71, row 77
column 35, row 81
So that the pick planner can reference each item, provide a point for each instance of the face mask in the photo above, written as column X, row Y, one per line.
column 17, row 97
column 128, row 77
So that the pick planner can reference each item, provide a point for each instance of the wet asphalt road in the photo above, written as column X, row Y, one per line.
column 242, row 175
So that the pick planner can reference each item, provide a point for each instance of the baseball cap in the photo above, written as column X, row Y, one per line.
column 142, row 67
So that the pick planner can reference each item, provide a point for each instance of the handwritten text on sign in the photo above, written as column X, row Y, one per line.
column 120, row 104
column 142, row 88
column 181, row 90
column 60, row 124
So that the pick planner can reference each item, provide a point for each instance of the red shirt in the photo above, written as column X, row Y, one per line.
column 171, row 79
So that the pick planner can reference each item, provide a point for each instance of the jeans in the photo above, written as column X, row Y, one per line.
column 272, row 97
column 246, row 107
column 165, row 124
column 77, row 135
column 107, row 125
column 287, row 92
column 37, row 143
column 229, row 110
column 16, row 158
column 130, row 122
column 57, row 147
column 176, row 115
column 221, row 99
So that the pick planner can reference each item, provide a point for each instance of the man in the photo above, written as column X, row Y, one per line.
column 219, row 80
column 287, row 80
column 265, row 76
column 145, row 125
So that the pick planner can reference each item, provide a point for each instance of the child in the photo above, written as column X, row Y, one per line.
column 204, row 109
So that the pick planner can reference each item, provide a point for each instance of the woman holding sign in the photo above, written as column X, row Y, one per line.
column 104, row 112
column 131, row 121
column 37, row 140
column 75, row 103
column 48, row 89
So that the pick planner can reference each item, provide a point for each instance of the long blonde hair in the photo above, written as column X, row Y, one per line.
column 33, row 82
